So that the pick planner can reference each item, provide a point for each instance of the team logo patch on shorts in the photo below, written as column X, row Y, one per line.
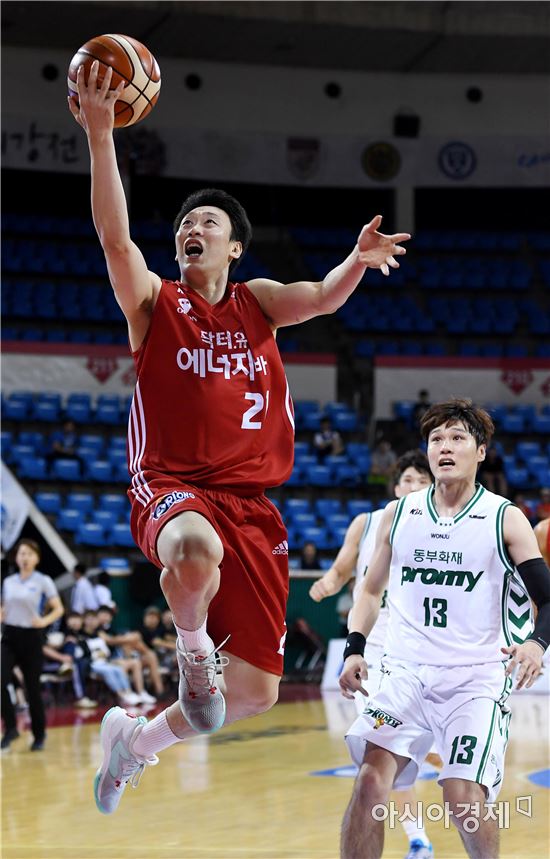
column 381, row 718
column 168, row 501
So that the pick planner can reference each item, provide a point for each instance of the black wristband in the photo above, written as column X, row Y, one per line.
column 355, row 644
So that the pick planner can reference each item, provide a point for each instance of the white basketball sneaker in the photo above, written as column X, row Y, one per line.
column 201, row 701
column 120, row 765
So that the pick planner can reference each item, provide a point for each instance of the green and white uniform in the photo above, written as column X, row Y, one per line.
column 374, row 649
column 455, row 598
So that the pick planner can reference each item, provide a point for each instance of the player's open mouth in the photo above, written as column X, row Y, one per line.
column 443, row 462
column 193, row 249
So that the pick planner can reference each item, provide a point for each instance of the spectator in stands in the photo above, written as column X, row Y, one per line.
column 154, row 636
column 103, row 590
column 112, row 670
column 327, row 442
column 309, row 558
column 382, row 462
column 131, row 646
column 70, row 657
column 25, row 596
column 543, row 507
column 491, row 473
column 64, row 444
column 420, row 408
column 83, row 595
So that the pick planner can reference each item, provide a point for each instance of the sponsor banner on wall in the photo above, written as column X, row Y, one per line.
column 51, row 143
column 508, row 381
column 65, row 368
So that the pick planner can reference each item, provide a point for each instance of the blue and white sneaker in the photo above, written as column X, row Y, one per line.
column 120, row 765
column 418, row 850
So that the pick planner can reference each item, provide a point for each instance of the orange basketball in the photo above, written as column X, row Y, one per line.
column 132, row 62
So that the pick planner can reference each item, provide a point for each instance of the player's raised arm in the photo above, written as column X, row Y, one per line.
column 288, row 304
column 135, row 287
column 523, row 549
column 366, row 608
column 343, row 566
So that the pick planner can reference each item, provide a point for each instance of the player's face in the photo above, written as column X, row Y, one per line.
column 453, row 453
column 203, row 241
column 411, row 481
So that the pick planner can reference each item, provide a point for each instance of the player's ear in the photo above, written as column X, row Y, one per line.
column 236, row 250
column 481, row 452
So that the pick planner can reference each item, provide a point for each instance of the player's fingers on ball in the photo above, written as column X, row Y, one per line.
column 94, row 69
column 105, row 84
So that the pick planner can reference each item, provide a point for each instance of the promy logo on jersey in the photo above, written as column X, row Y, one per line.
column 450, row 578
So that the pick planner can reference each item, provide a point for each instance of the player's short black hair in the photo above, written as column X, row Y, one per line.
column 412, row 459
column 241, row 229
column 477, row 420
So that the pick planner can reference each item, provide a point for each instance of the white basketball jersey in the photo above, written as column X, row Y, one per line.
column 454, row 595
column 367, row 543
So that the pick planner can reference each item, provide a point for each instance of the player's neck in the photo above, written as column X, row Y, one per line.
column 212, row 289
column 450, row 498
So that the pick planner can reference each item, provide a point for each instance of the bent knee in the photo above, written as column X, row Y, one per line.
column 459, row 794
column 372, row 785
column 180, row 550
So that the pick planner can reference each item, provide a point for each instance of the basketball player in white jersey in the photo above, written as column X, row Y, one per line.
column 450, row 556
column 412, row 472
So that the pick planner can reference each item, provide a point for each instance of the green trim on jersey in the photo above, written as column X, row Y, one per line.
column 396, row 517
column 473, row 500
column 504, row 556
column 485, row 754
column 362, row 539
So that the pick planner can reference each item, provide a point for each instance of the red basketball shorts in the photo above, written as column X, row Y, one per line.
column 250, row 605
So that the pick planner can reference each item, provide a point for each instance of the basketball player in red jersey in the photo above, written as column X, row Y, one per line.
column 211, row 426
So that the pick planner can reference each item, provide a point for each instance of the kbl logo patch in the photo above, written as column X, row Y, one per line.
column 169, row 500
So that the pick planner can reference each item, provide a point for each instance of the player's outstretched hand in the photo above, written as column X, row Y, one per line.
column 377, row 250
column 94, row 108
column 322, row 588
column 528, row 656
column 353, row 672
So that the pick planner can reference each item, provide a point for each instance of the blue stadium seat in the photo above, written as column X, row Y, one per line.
column 15, row 410
column 346, row 474
column 43, row 410
column 83, row 501
column 299, row 520
column 115, row 566
column 33, row 468
column 100, row 470
column 66, row 469
column 297, row 478
column 120, row 535
column 48, row 502
column 93, row 441
column 80, row 413
column 318, row 535
column 36, row 439
column 525, row 449
column 115, row 503
column 359, row 505
column 318, row 475
column 107, row 413
column 21, row 451
column 512, row 424
column 292, row 506
column 541, row 424
column 337, row 521
column 69, row 519
column 105, row 518
column 6, row 441
column 518, row 477
column 90, row 534
column 325, row 507
column 345, row 422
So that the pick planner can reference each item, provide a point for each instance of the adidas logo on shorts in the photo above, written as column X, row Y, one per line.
column 281, row 549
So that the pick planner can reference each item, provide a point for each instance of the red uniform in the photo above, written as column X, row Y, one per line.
column 211, row 426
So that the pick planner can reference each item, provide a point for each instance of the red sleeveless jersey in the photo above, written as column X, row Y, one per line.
column 211, row 403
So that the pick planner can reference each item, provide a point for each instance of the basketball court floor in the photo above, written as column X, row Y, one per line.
column 272, row 787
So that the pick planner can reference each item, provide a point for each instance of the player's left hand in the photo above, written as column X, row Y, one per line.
column 377, row 250
column 529, row 658
column 353, row 673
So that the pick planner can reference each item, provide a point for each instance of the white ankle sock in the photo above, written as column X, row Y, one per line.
column 413, row 830
column 155, row 736
column 195, row 639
